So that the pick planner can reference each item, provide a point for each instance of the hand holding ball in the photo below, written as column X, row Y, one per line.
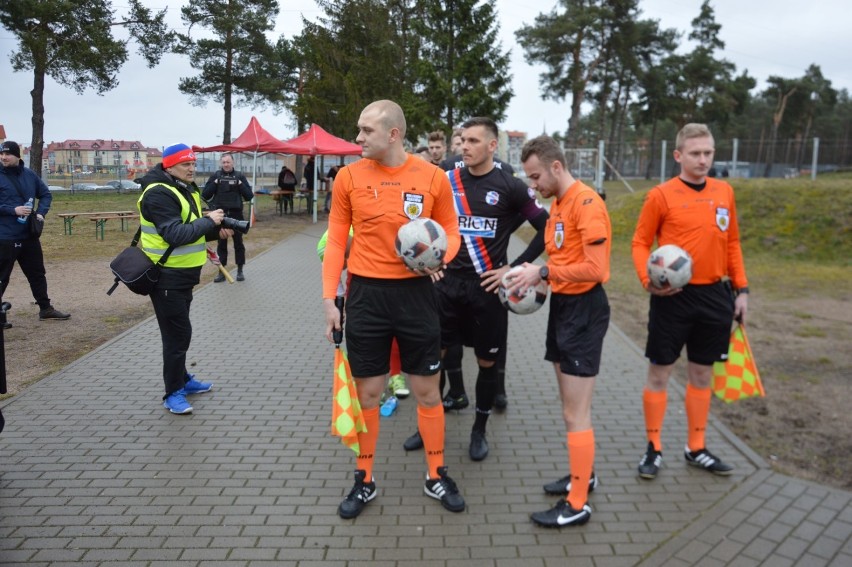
column 422, row 244
column 669, row 266
column 524, row 303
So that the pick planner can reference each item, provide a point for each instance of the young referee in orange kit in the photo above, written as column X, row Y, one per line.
column 376, row 196
column 698, row 214
column 577, row 239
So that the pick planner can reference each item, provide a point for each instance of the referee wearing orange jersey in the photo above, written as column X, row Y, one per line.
column 577, row 240
column 376, row 196
column 697, row 213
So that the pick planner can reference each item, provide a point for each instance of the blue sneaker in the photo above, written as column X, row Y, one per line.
column 176, row 403
column 196, row 387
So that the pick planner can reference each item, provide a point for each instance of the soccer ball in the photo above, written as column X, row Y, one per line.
column 422, row 244
column 530, row 302
column 669, row 265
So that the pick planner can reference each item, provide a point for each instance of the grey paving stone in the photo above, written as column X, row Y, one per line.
column 253, row 477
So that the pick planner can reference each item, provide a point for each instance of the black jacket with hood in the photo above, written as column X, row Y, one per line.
column 160, row 206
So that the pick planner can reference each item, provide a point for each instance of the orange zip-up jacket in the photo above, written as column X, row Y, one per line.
column 376, row 200
column 578, row 238
column 704, row 223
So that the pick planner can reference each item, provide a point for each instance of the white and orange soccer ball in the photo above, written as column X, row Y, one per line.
column 421, row 244
column 669, row 265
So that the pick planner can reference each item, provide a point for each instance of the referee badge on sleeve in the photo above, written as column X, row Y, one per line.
column 559, row 235
column 723, row 218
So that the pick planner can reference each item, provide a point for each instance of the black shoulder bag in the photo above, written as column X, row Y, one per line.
column 134, row 268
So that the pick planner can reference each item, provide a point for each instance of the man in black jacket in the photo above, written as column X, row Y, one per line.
column 170, row 216
column 23, row 193
column 227, row 189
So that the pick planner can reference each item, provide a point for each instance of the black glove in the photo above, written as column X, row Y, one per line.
column 336, row 335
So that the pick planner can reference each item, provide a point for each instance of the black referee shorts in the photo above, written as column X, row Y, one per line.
column 576, row 328
column 699, row 317
column 471, row 316
column 377, row 310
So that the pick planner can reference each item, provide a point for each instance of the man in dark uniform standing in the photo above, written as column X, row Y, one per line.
column 227, row 189
column 489, row 201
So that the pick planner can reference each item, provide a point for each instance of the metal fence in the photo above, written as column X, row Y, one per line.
column 734, row 158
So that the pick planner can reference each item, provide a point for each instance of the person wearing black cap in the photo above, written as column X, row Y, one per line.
column 20, row 189
column 170, row 217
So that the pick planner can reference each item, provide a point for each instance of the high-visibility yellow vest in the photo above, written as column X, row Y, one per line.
column 187, row 256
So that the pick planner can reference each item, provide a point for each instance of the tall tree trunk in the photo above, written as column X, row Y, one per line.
column 800, row 157
column 653, row 149
column 574, row 120
column 777, row 116
column 622, row 120
column 229, row 88
column 37, row 141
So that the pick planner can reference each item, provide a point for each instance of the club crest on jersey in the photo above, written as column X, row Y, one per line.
column 723, row 218
column 559, row 235
column 412, row 205
column 492, row 198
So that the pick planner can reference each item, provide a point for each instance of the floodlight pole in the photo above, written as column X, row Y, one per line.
column 815, row 159
column 735, row 157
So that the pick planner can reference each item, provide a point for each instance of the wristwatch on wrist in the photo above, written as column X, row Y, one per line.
column 544, row 273
column 742, row 290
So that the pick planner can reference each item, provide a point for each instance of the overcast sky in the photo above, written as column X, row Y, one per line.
column 767, row 37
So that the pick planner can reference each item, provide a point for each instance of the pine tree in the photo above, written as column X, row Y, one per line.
column 238, row 64
column 572, row 45
column 358, row 52
column 50, row 34
column 462, row 71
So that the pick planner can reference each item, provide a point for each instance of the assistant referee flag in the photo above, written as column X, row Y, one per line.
column 737, row 378
column 346, row 417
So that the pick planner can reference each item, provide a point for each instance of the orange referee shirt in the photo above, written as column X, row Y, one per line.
column 578, row 238
column 704, row 223
column 376, row 200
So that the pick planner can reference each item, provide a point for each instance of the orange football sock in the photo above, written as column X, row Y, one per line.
column 430, row 421
column 654, row 404
column 581, row 460
column 367, row 441
column 395, row 364
column 697, row 404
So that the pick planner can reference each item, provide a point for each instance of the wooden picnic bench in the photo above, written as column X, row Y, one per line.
column 281, row 196
column 101, row 219
column 68, row 218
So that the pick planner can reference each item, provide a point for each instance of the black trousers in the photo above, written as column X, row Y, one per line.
column 239, row 247
column 172, row 309
column 30, row 257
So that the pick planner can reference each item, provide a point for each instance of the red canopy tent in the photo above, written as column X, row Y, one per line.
column 254, row 139
column 316, row 141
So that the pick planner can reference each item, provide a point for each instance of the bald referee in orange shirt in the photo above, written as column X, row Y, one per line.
column 577, row 240
column 697, row 213
column 376, row 196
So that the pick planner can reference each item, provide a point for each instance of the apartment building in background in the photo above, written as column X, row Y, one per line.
column 127, row 158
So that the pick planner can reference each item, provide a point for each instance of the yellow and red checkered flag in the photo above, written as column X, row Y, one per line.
column 737, row 378
column 346, row 417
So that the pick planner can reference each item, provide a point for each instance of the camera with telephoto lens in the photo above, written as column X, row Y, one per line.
column 241, row 226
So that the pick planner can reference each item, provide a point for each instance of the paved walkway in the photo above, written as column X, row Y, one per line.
column 93, row 471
